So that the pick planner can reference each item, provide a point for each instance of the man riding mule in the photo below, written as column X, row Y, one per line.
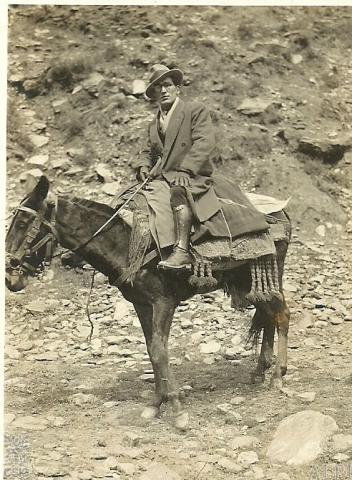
column 230, row 235
column 180, row 152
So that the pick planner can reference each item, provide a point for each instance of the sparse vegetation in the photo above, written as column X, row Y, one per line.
column 15, row 129
column 67, row 70
column 71, row 122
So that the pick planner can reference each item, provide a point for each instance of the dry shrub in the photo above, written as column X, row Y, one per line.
column 331, row 79
column 245, row 31
column 71, row 122
column 15, row 132
column 112, row 52
column 189, row 38
column 85, row 155
column 254, row 142
column 67, row 71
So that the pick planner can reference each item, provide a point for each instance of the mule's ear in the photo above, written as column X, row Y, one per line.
column 41, row 190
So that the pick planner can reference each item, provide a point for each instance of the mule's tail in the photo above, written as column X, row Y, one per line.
column 255, row 330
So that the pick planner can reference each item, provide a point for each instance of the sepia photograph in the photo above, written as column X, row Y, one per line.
column 178, row 239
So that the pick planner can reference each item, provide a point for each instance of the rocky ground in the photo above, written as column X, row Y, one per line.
column 277, row 81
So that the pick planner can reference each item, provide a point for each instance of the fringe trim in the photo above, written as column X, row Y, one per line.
column 202, row 278
column 265, row 280
column 139, row 243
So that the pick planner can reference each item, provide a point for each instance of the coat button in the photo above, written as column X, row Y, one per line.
column 183, row 144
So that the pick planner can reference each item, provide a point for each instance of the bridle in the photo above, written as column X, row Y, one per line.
column 20, row 261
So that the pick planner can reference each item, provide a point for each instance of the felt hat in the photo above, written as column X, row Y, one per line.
column 159, row 72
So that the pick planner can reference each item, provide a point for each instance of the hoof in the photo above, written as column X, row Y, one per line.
column 276, row 382
column 150, row 413
column 181, row 421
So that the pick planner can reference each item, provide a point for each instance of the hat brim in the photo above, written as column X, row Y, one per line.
column 175, row 74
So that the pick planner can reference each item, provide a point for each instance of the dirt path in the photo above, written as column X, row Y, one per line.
column 79, row 404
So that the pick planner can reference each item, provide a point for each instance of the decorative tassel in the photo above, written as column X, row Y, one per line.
column 265, row 280
column 139, row 242
column 202, row 278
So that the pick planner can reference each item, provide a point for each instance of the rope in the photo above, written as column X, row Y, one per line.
column 87, row 306
column 228, row 228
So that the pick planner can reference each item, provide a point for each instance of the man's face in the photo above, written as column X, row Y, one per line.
column 166, row 92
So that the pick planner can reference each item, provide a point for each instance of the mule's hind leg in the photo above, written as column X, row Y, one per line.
column 263, row 321
column 281, row 319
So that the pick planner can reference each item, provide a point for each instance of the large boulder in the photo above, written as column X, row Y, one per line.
column 301, row 438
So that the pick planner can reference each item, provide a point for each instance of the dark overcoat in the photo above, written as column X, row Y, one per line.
column 189, row 146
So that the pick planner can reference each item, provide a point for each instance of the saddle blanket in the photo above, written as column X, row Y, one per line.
column 236, row 218
column 245, row 247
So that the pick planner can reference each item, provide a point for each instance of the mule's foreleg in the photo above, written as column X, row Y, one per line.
column 145, row 316
column 163, row 312
column 282, row 320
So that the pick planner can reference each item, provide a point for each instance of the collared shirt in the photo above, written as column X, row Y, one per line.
column 164, row 117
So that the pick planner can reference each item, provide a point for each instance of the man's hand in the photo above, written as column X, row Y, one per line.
column 142, row 174
column 181, row 179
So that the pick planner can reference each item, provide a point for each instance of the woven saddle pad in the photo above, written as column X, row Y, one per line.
column 243, row 248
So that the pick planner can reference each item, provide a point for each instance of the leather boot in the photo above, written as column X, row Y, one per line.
column 180, row 258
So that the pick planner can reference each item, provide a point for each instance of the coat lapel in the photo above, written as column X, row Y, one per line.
column 173, row 128
column 154, row 134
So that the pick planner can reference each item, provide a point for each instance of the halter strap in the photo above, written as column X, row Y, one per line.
column 26, row 249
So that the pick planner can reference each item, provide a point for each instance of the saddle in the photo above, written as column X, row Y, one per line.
column 215, row 255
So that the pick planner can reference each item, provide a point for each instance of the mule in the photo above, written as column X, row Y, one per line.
column 155, row 294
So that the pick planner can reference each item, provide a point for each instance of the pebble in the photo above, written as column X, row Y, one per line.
column 158, row 471
column 247, row 458
column 111, row 188
column 83, row 398
column 39, row 140
column 50, row 469
column 258, row 473
column 9, row 418
column 209, row 360
column 341, row 457
column 12, row 352
column 99, row 454
column 85, row 475
column 237, row 400
column 341, row 442
column 321, row 230
column 126, row 468
column 336, row 321
column 132, row 439
column 46, row 357
column 122, row 451
column 230, row 465
column 307, row 396
column 210, row 347
column 36, row 306
column 244, row 441
column 30, row 423
column 113, row 340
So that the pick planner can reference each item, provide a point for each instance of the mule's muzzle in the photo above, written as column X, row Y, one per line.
column 15, row 280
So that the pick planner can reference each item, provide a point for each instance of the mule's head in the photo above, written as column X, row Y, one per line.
column 30, row 237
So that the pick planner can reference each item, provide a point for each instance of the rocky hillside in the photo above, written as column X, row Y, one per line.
column 277, row 81
column 278, row 84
